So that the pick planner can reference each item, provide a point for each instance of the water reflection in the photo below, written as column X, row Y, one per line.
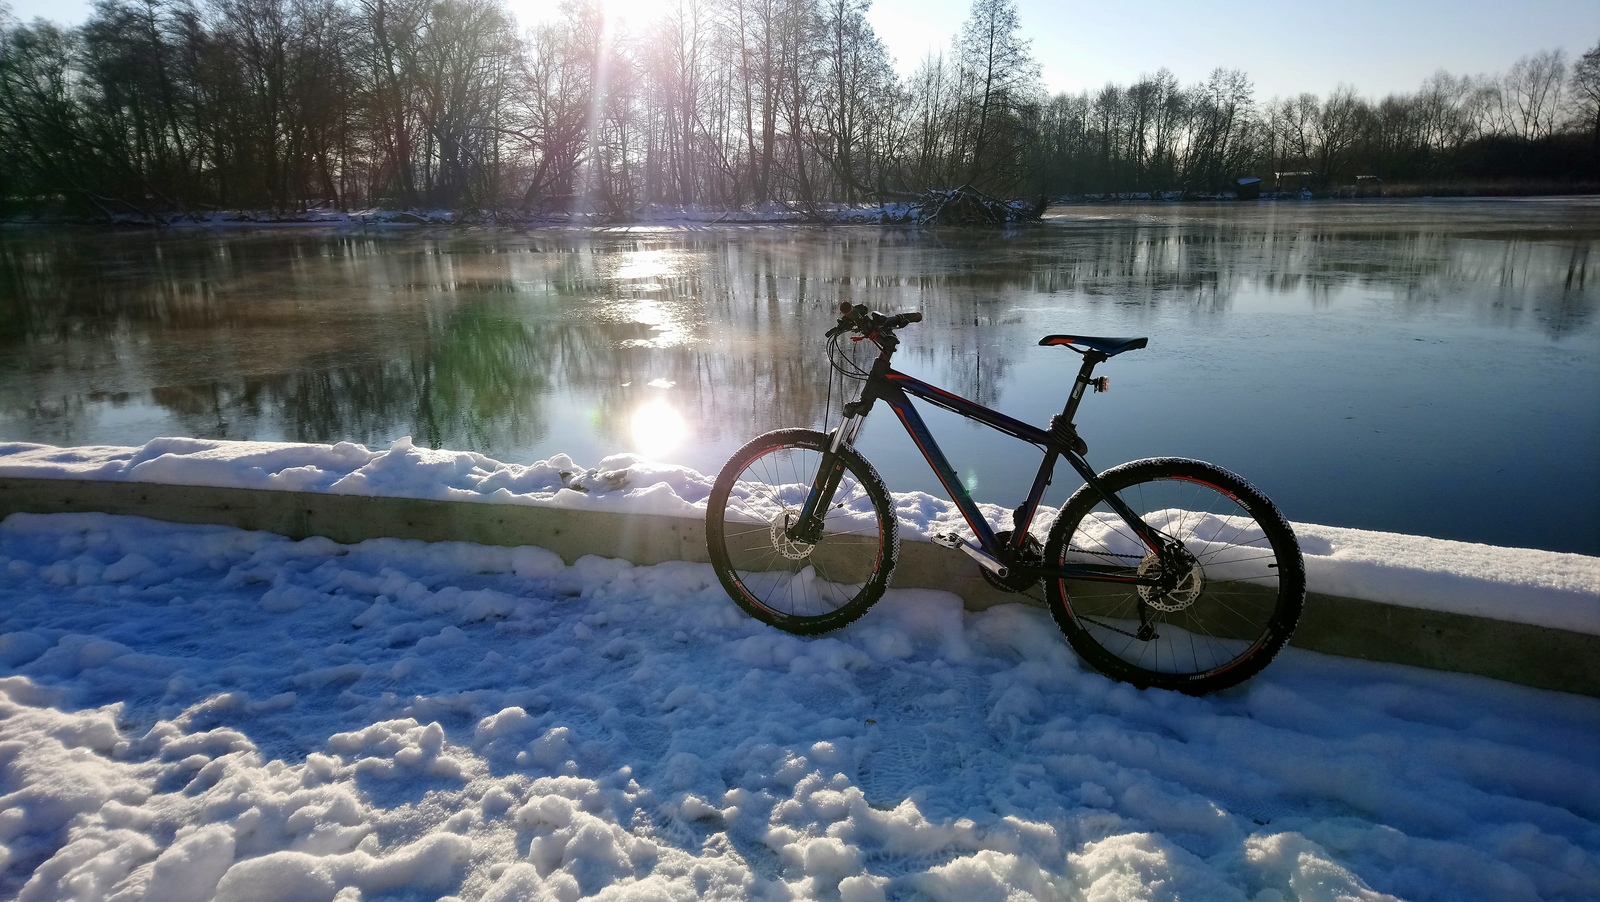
column 1332, row 351
column 658, row 430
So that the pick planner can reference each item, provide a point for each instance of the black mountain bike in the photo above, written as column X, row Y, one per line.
column 1165, row 572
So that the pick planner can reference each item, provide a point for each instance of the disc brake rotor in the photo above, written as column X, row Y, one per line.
column 793, row 549
column 1175, row 594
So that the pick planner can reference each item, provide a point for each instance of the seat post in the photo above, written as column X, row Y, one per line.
column 1091, row 359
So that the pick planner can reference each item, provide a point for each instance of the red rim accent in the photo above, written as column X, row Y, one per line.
column 1209, row 485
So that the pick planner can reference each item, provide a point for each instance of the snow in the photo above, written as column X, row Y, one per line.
column 197, row 712
column 1541, row 588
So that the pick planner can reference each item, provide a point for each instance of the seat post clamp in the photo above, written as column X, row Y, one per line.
column 1066, row 435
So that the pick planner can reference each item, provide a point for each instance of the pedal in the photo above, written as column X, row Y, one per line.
column 951, row 540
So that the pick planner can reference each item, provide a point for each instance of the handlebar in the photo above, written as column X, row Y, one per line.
column 859, row 319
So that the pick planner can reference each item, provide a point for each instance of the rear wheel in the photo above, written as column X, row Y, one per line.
column 1231, row 588
column 802, row 584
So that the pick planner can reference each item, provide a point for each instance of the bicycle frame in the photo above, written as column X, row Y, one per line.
column 884, row 383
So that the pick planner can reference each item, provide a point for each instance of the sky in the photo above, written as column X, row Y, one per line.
column 1378, row 47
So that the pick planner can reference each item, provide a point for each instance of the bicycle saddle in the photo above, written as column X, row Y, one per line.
column 1110, row 347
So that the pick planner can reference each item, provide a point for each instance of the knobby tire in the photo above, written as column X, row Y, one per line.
column 796, row 586
column 1235, row 606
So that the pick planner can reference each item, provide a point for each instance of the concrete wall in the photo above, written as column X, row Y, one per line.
column 1533, row 656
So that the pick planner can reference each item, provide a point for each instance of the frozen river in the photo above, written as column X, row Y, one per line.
column 1426, row 367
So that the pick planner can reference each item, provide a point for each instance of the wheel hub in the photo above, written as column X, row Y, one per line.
column 789, row 547
column 1181, row 580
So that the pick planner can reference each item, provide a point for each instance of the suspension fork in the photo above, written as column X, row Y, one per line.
column 808, row 526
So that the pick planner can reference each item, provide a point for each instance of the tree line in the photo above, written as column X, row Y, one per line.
column 156, row 106
column 1535, row 123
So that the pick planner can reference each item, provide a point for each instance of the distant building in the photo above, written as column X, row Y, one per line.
column 1249, row 187
column 1292, row 181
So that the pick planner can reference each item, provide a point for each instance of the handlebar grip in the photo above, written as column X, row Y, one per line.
column 858, row 318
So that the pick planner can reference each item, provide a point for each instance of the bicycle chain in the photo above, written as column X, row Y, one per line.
column 1045, row 603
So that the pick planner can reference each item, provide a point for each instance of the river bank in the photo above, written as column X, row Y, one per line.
column 901, row 212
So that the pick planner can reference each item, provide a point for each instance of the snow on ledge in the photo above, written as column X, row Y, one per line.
column 1541, row 588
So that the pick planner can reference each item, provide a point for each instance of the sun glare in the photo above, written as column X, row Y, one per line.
column 658, row 430
column 630, row 16
column 633, row 14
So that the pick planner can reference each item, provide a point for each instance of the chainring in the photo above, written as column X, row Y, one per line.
column 1031, row 555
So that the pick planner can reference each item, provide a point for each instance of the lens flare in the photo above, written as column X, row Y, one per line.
column 658, row 430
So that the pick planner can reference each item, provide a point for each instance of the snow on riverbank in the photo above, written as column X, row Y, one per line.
column 189, row 712
column 652, row 216
column 1543, row 588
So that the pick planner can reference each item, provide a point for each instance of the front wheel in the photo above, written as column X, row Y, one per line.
column 779, row 574
column 1231, row 581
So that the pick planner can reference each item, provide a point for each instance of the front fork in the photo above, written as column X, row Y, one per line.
column 808, row 526
column 844, row 435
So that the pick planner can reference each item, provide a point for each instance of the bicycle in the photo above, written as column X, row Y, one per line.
column 1165, row 572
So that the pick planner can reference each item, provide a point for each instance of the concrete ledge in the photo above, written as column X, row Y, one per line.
column 1530, row 655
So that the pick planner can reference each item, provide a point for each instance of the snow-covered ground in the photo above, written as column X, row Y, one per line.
column 194, row 712
column 1542, row 588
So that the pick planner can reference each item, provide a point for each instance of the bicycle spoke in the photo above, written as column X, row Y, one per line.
column 1205, row 609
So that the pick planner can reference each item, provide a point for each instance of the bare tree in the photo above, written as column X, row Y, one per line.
column 857, row 74
column 551, row 115
column 930, row 113
column 1292, row 125
column 159, row 105
column 1586, row 93
column 1530, row 95
column 1223, row 125
column 41, row 122
column 1335, row 130
column 1001, row 79
column 1444, row 110
column 390, row 60
column 464, row 55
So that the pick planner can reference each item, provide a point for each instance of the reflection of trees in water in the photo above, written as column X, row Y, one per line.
column 476, row 380
column 1205, row 267
column 50, row 419
column 1520, row 280
column 462, row 338
column 314, row 337
column 481, row 381
column 761, row 306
